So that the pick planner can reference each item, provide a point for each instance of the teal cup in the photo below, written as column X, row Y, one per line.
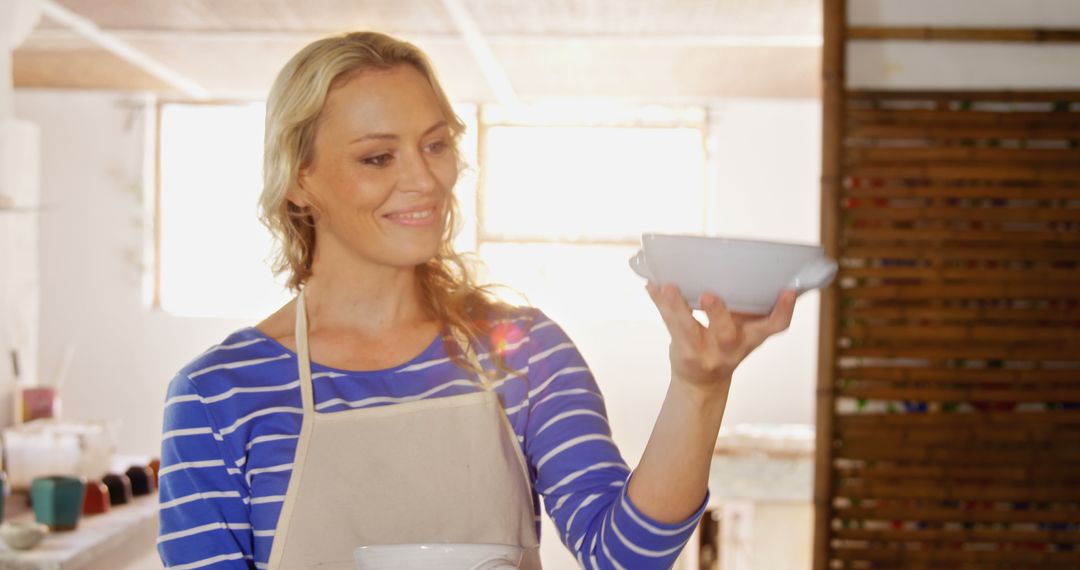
column 57, row 501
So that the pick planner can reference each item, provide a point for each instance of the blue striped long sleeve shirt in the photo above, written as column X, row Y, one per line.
column 232, row 420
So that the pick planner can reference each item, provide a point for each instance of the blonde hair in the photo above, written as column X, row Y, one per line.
column 464, row 309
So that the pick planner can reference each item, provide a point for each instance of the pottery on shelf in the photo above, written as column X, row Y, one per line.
column 142, row 480
column 97, row 500
column 155, row 466
column 119, row 488
column 57, row 501
column 23, row 535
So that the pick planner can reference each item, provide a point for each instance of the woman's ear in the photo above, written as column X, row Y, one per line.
column 298, row 193
column 297, row 197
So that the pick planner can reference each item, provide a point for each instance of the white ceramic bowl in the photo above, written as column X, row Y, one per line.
column 438, row 557
column 748, row 275
column 23, row 535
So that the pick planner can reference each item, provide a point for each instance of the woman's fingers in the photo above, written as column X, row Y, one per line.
column 723, row 325
column 676, row 314
column 727, row 332
column 778, row 320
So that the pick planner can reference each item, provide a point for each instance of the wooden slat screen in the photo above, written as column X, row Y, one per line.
column 956, row 394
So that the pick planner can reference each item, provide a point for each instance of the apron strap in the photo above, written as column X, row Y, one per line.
column 304, row 359
column 469, row 353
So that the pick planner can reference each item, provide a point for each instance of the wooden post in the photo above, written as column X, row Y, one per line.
column 832, row 159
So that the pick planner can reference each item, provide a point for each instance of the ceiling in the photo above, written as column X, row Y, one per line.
column 657, row 50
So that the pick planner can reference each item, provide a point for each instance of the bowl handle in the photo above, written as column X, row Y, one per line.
column 637, row 263
column 494, row 564
column 817, row 273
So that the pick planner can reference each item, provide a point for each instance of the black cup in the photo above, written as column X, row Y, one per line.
column 142, row 480
column 119, row 488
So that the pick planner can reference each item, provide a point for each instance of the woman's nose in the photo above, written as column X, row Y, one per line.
column 417, row 174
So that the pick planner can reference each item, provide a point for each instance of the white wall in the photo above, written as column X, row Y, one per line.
column 19, row 197
column 963, row 65
column 966, row 13
column 90, row 235
column 768, row 164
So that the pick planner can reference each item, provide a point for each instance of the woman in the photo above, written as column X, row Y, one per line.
column 393, row 401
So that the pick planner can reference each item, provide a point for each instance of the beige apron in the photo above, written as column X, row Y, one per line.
column 441, row 470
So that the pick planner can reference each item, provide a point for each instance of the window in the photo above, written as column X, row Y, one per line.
column 213, row 253
column 567, row 193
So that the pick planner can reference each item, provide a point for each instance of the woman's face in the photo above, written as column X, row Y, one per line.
column 383, row 169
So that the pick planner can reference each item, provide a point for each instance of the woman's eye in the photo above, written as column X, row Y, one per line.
column 437, row 147
column 379, row 160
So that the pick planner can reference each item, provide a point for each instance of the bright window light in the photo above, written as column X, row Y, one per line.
column 569, row 281
column 563, row 208
column 214, row 251
column 591, row 183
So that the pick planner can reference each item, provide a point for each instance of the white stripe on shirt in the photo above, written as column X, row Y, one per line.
column 271, row 437
column 570, row 392
column 603, row 546
column 190, row 465
column 263, row 412
column 542, row 325
column 272, row 469
column 252, row 390
column 238, row 364
column 240, row 344
column 570, row 414
column 182, row 399
column 268, row 499
column 197, row 496
column 553, row 377
column 571, row 443
column 366, row 402
column 201, row 529
column 521, row 373
column 573, row 476
column 624, row 501
column 570, row 521
column 637, row 549
column 187, row 431
column 208, row 561
column 540, row 356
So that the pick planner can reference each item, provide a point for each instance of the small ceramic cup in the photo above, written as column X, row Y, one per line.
column 119, row 488
column 142, row 480
column 155, row 466
column 97, row 499
column 3, row 493
column 23, row 535
column 57, row 501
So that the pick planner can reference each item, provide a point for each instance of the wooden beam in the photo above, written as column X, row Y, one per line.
column 496, row 40
column 832, row 161
column 121, row 49
column 1023, row 35
column 493, row 71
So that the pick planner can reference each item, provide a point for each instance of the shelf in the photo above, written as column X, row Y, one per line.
column 100, row 542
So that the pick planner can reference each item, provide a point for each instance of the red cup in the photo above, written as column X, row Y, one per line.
column 96, row 500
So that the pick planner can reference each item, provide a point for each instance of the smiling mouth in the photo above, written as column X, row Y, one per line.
column 420, row 217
